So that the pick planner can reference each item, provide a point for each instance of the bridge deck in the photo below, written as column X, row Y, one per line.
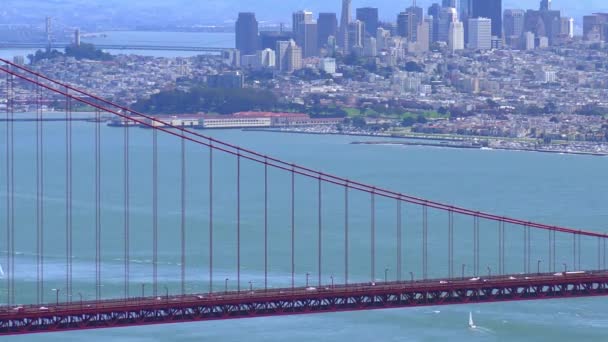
column 276, row 302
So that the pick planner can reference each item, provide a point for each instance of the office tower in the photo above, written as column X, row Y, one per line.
column 311, row 37
column 528, row 42
column 456, row 36
column 327, row 25
column 464, row 13
column 269, row 39
column 449, row 3
column 246, row 33
column 266, row 58
column 293, row 56
column 545, row 5
column 543, row 23
column 356, row 31
column 299, row 20
column 447, row 15
column 382, row 37
column 281, row 55
column 567, row 27
column 480, row 34
column 595, row 27
column 514, row 22
column 434, row 12
column 369, row 17
column 489, row 9
column 422, row 38
column 370, row 47
column 328, row 65
column 417, row 11
column 345, row 20
column 430, row 23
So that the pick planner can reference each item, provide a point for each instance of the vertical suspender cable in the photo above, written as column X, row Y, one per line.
column 154, row 212
column 183, row 218
column 320, row 237
column 373, row 236
column 210, row 216
column 346, row 233
column 293, row 227
column 265, row 224
column 127, row 233
column 238, row 220
column 399, row 239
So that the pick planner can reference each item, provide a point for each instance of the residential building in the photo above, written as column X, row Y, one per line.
column 456, row 36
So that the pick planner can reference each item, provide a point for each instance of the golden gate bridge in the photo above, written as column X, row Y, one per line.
column 470, row 257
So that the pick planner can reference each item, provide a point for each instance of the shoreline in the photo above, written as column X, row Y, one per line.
column 459, row 143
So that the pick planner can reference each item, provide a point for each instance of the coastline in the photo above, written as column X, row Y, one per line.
column 451, row 143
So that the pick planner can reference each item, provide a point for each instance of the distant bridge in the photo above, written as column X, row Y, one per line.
column 202, row 49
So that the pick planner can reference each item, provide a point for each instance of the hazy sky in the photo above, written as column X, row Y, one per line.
column 190, row 12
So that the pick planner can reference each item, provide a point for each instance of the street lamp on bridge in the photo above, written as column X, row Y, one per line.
column 57, row 295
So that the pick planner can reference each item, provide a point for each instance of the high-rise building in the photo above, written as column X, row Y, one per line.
column 480, row 34
column 328, row 65
column 356, row 32
column 514, row 22
column 77, row 37
column 529, row 41
column 269, row 39
column 345, row 20
column 246, row 33
column 382, row 37
column 294, row 57
column 595, row 27
column 406, row 25
column 434, row 12
column 447, row 16
column 418, row 12
column 370, row 47
column 464, row 13
column 567, row 27
column 281, row 55
column 266, row 58
column 299, row 20
column 311, row 38
column 369, row 17
column 489, row 9
column 543, row 23
column 449, row 3
column 327, row 26
column 456, row 36
column 545, row 5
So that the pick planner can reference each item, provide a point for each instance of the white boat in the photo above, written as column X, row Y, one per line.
column 471, row 323
column 1, row 272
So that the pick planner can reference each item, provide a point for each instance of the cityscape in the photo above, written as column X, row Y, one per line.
column 457, row 68
column 339, row 170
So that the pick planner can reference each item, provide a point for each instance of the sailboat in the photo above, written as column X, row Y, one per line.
column 471, row 323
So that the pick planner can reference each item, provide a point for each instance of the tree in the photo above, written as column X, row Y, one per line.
column 412, row 66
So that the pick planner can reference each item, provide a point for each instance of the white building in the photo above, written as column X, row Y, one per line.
column 480, row 34
column 234, row 122
column 456, row 36
column 382, row 37
column 328, row 65
column 370, row 47
column 266, row 58
column 529, row 39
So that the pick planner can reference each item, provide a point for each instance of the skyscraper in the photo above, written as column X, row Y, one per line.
column 449, row 3
column 446, row 17
column 344, row 22
column 369, row 17
column 356, row 32
column 281, row 55
column 514, row 22
column 327, row 26
column 293, row 56
column 489, row 9
column 246, row 33
column 567, row 27
column 434, row 11
column 311, row 37
column 456, row 36
column 418, row 12
column 299, row 20
column 480, row 34
column 545, row 5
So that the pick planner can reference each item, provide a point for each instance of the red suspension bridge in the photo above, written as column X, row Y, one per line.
column 210, row 217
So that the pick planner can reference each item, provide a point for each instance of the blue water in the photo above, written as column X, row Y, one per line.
column 195, row 39
column 557, row 189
